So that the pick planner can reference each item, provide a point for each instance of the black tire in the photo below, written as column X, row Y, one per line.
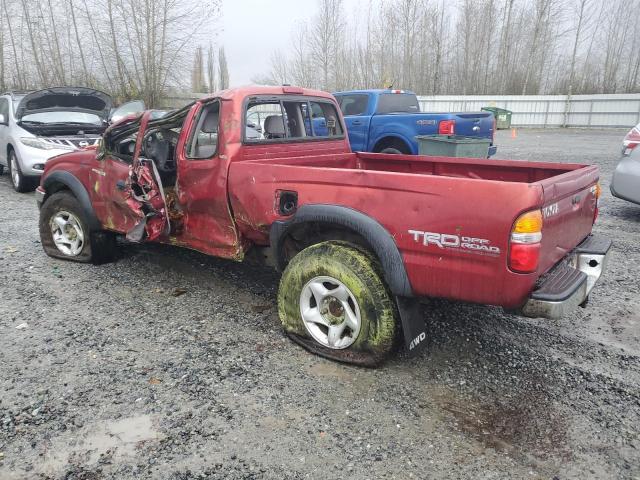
column 97, row 246
column 1, row 169
column 360, row 272
column 392, row 150
column 20, row 182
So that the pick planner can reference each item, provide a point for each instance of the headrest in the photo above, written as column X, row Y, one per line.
column 274, row 125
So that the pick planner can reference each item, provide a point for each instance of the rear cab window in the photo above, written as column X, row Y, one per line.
column 397, row 103
column 287, row 118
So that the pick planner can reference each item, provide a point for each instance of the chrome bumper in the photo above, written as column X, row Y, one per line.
column 569, row 284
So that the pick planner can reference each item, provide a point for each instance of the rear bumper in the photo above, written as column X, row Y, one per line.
column 569, row 283
column 625, row 183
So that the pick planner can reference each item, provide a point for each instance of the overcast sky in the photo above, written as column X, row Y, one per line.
column 255, row 28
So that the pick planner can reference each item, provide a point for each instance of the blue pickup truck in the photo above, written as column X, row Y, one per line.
column 387, row 121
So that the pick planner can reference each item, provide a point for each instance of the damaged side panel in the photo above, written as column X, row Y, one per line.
column 147, row 200
column 145, row 194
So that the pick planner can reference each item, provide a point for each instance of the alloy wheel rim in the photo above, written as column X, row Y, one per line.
column 67, row 233
column 15, row 174
column 330, row 312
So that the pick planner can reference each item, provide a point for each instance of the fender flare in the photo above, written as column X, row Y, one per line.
column 376, row 235
column 79, row 191
column 385, row 248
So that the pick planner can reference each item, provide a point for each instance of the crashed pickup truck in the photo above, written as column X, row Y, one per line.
column 359, row 237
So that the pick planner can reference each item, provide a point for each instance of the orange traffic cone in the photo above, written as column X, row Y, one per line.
column 514, row 134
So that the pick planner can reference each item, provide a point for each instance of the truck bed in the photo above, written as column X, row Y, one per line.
column 472, row 198
column 476, row 168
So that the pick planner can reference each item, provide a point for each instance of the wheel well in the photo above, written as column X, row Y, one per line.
column 310, row 233
column 55, row 187
column 392, row 142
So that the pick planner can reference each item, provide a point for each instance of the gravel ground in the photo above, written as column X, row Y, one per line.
column 110, row 372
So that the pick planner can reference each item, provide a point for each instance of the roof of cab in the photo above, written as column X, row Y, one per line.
column 376, row 90
column 251, row 90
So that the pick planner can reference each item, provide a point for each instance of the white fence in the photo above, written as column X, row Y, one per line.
column 615, row 110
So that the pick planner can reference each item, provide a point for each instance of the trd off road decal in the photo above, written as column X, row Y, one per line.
column 480, row 246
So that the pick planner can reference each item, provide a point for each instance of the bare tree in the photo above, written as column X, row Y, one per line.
column 223, row 69
column 325, row 37
column 2, row 67
column 197, row 72
column 581, row 11
column 130, row 48
column 211, row 70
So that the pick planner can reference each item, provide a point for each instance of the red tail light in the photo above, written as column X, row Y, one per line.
column 632, row 139
column 526, row 235
column 597, row 191
column 524, row 257
column 447, row 127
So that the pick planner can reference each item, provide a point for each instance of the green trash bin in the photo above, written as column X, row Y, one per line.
column 453, row 146
column 503, row 117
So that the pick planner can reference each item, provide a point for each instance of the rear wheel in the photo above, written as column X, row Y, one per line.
column 392, row 150
column 65, row 232
column 1, row 169
column 333, row 301
column 20, row 183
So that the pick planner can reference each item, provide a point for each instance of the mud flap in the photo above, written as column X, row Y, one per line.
column 413, row 326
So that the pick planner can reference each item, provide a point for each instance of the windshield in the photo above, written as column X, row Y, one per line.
column 398, row 103
column 63, row 117
column 16, row 102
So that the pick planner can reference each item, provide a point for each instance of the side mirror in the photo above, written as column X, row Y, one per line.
column 3, row 120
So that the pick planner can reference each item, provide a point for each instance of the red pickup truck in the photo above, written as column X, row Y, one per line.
column 359, row 237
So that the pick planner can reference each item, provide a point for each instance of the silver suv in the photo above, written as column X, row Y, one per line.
column 35, row 126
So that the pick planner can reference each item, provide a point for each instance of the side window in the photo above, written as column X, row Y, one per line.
column 297, row 120
column 204, row 140
column 124, row 148
column 4, row 109
column 264, row 120
column 325, row 120
column 121, row 144
column 353, row 104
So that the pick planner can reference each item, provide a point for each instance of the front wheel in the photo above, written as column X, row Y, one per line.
column 333, row 301
column 65, row 232
column 20, row 182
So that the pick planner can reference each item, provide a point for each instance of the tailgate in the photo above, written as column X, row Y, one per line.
column 569, row 209
column 474, row 124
